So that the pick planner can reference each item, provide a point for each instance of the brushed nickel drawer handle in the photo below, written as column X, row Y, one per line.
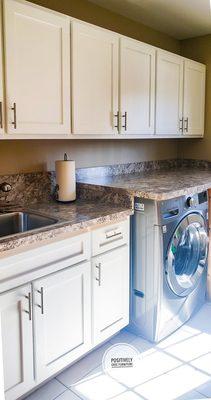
column 125, row 118
column 99, row 274
column 113, row 234
column 14, row 108
column 42, row 300
column 1, row 115
column 30, row 306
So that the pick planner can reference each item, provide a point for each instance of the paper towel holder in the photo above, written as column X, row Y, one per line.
column 65, row 188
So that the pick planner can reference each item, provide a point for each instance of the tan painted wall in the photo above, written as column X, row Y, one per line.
column 26, row 156
column 199, row 49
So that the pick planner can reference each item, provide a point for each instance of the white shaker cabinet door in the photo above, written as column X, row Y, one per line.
column 17, row 341
column 37, row 44
column 110, row 275
column 194, row 98
column 137, row 87
column 169, row 94
column 1, row 76
column 62, row 307
column 94, row 80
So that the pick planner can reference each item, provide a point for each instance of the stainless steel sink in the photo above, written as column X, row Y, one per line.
column 23, row 221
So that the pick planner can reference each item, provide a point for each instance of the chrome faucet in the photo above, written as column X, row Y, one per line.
column 5, row 187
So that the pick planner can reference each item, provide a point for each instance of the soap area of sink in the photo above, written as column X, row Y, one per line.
column 13, row 222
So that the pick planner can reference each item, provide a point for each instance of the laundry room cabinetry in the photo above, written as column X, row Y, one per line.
column 2, row 120
column 37, row 64
column 137, row 87
column 110, row 274
column 65, row 78
column 194, row 98
column 95, row 80
column 62, row 315
column 110, row 280
column 53, row 312
column 169, row 94
column 180, row 96
column 17, row 341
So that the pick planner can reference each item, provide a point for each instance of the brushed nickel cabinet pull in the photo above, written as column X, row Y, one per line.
column 117, row 117
column 125, row 118
column 181, row 124
column 30, row 306
column 186, row 125
column 99, row 274
column 42, row 300
column 15, row 115
column 1, row 115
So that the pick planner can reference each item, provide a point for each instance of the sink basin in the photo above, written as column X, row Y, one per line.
column 17, row 222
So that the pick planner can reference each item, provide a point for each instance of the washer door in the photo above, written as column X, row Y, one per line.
column 187, row 254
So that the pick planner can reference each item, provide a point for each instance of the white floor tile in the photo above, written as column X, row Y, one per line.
column 81, row 368
column 200, row 320
column 98, row 386
column 67, row 395
column 203, row 363
column 147, row 367
column 143, row 346
column 172, row 385
column 192, row 395
column 205, row 389
column 123, row 337
column 49, row 391
column 128, row 395
column 191, row 348
column 177, row 337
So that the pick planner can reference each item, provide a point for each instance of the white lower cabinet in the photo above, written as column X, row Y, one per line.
column 110, row 273
column 68, row 307
column 62, row 316
column 17, row 341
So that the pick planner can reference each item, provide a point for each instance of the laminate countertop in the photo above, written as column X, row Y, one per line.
column 72, row 218
column 156, row 185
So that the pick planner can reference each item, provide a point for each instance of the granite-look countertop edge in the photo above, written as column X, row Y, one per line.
column 156, row 185
column 56, row 231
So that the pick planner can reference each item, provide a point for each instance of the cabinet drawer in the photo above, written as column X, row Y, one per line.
column 42, row 260
column 109, row 237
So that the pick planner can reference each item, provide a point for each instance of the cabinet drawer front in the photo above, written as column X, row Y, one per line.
column 110, row 237
column 42, row 260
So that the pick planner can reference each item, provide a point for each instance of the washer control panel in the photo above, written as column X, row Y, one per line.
column 196, row 199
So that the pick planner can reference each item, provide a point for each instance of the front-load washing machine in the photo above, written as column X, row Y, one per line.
column 168, row 263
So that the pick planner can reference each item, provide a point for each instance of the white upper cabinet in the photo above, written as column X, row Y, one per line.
column 137, row 87
column 37, row 43
column 62, row 311
column 17, row 341
column 94, row 80
column 194, row 98
column 169, row 93
column 69, row 79
column 1, row 78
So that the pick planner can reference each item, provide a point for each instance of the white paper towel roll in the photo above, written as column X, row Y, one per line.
column 65, row 179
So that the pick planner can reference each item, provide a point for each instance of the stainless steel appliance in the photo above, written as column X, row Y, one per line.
column 169, row 263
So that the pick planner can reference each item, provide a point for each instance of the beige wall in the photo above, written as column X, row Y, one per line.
column 37, row 155
column 26, row 156
column 199, row 49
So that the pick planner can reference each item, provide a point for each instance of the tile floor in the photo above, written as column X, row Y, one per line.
column 177, row 368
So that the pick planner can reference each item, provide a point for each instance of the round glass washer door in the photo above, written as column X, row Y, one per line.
column 187, row 254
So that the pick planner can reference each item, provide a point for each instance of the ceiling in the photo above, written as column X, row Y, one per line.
column 179, row 18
